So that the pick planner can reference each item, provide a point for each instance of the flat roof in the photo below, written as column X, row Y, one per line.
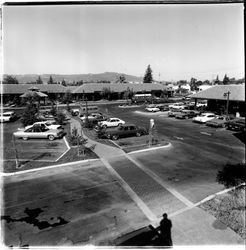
column 217, row 92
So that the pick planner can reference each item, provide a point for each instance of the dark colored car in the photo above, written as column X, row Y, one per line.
column 237, row 124
column 186, row 114
column 162, row 107
column 125, row 130
column 173, row 113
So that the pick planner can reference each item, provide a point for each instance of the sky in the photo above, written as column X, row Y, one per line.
column 177, row 41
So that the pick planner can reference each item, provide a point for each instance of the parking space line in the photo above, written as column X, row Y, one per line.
column 160, row 181
column 68, row 148
column 145, row 209
column 205, row 133
column 179, row 138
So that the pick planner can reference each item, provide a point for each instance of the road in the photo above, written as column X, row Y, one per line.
column 84, row 204
column 198, row 152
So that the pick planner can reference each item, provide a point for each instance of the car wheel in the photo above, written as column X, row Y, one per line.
column 115, row 137
column 223, row 125
column 51, row 137
column 138, row 134
column 25, row 138
column 109, row 136
column 104, row 126
column 120, row 124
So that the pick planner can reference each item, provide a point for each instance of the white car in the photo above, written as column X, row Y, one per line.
column 8, row 116
column 178, row 105
column 50, row 124
column 204, row 117
column 152, row 108
column 39, row 132
column 111, row 122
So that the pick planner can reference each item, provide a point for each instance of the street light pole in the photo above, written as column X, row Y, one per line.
column 227, row 94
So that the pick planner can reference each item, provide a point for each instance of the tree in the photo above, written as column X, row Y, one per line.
column 148, row 78
column 50, row 81
column 10, row 80
column 128, row 94
column 30, row 114
column 67, row 98
column 60, row 118
column 193, row 84
column 217, row 81
column 39, row 80
column 121, row 79
column 63, row 83
column 106, row 92
column 226, row 80
column 207, row 82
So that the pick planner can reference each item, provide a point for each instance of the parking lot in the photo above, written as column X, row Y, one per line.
column 31, row 150
column 198, row 152
column 63, row 202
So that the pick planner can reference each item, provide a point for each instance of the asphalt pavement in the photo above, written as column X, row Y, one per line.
column 125, row 192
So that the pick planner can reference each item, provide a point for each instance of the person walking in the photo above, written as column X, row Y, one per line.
column 165, row 228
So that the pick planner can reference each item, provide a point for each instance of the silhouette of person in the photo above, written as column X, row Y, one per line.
column 165, row 228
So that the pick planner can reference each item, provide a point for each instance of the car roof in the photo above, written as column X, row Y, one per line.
column 8, row 113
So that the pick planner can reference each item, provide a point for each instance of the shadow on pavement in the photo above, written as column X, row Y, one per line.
column 147, row 236
column 241, row 136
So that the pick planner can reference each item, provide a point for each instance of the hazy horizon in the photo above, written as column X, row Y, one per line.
column 178, row 41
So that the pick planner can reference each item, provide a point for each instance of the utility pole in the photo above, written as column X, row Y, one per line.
column 16, row 153
column 151, row 125
column 227, row 94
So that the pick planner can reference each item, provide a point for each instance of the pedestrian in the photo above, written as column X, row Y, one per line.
column 165, row 228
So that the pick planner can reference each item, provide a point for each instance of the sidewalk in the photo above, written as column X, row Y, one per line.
column 191, row 225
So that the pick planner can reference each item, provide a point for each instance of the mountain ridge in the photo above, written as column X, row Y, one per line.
column 70, row 78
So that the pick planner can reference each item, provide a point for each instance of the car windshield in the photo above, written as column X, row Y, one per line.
column 6, row 114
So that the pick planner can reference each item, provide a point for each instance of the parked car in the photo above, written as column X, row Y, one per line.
column 186, row 114
column 39, row 132
column 50, row 124
column 204, row 117
column 162, row 107
column 237, row 124
column 8, row 116
column 178, row 105
column 172, row 113
column 152, row 108
column 94, row 118
column 125, row 130
column 111, row 122
column 219, row 121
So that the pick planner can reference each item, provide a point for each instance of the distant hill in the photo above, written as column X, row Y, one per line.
column 106, row 76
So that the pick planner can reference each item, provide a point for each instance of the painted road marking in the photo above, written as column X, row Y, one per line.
column 160, row 181
column 145, row 209
column 48, row 167
column 179, row 138
column 205, row 133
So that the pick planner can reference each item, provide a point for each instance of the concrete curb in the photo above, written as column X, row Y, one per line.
column 48, row 167
column 210, row 197
column 150, row 149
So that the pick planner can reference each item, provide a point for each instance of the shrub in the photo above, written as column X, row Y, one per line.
column 60, row 118
column 232, row 175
